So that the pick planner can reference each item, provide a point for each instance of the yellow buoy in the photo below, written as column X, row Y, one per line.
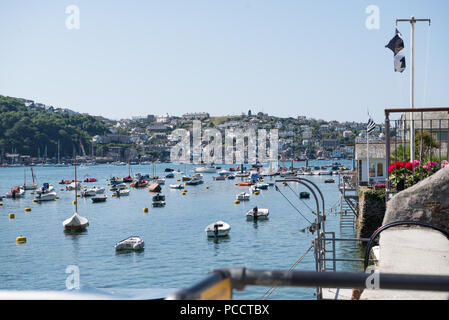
column 236, row 201
column 113, row 195
column 108, row 184
column 35, row 200
column 178, row 179
column 57, row 198
column 21, row 239
column 145, row 210
column 11, row 216
column 256, row 193
column 1, row 203
column 32, row 192
column 74, row 202
column 27, row 209
column 78, row 195
column 207, row 188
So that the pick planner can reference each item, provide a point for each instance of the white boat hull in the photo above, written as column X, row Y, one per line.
column 131, row 243
column 222, row 229
column 261, row 214
column 46, row 196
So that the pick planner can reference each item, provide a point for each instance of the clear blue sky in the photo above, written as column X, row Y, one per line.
column 282, row 57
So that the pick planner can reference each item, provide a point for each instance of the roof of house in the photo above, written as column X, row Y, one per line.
column 376, row 151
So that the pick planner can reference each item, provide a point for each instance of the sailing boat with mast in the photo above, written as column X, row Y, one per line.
column 32, row 186
column 128, row 179
column 75, row 222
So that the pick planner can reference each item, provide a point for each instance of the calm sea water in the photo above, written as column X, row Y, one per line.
column 177, row 253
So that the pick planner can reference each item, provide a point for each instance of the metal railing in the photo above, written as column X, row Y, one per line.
column 424, row 154
column 221, row 283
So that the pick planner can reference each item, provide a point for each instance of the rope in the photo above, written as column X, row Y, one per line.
column 271, row 290
column 277, row 189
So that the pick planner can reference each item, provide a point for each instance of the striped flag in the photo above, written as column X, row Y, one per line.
column 397, row 46
column 371, row 125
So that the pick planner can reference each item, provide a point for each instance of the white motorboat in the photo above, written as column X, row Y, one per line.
column 122, row 193
column 257, row 213
column 72, row 186
column 90, row 192
column 224, row 172
column 76, row 223
column 131, row 243
column 177, row 186
column 243, row 196
column 218, row 229
column 47, row 196
column 120, row 186
column 161, row 181
column 254, row 189
column 325, row 172
column 98, row 190
column 204, row 169
column 15, row 192
column 46, row 188
column 241, row 174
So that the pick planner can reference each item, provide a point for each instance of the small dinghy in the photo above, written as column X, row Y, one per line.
column 177, row 186
column 76, row 223
column 257, row 214
column 262, row 185
column 219, row 178
column 170, row 175
column 243, row 196
column 218, row 229
column 304, row 195
column 131, row 243
column 101, row 198
column 161, row 181
column 329, row 181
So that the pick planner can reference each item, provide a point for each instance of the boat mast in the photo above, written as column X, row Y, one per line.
column 58, row 151
column 76, row 191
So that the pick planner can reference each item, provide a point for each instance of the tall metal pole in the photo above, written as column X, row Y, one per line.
column 412, row 88
column 412, row 21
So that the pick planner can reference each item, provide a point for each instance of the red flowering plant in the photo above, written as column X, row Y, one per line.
column 402, row 172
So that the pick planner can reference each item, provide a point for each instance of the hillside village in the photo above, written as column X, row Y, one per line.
column 150, row 137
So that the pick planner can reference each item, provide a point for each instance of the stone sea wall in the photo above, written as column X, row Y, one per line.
column 371, row 211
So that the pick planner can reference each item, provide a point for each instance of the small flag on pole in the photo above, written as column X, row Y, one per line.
column 397, row 46
column 371, row 125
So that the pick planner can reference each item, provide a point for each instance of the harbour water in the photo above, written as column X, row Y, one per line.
column 177, row 253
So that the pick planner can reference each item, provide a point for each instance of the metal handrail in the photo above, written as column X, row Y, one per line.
column 239, row 278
